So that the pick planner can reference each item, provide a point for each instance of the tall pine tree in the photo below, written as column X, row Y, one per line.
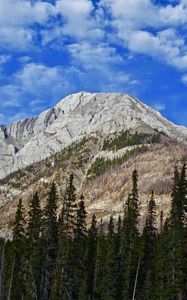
column 50, row 243
column 130, row 235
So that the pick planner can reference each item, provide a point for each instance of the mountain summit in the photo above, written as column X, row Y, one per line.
column 74, row 117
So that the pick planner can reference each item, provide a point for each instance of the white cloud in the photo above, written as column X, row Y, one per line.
column 79, row 21
column 166, row 45
column 147, row 28
column 36, row 77
column 94, row 56
column 159, row 106
column 16, row 17
column 2, row 119
column 4, row 59
column 139, row 26
column 22, row 12
column 16, row 38
column 184, row 79
column 25, row 59
column 32, row 82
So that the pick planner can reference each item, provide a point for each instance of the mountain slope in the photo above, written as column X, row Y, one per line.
column 32, row 140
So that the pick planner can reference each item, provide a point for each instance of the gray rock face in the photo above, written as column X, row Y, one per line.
column 74, row 117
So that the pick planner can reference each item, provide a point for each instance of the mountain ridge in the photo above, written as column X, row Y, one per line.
column 77, row 115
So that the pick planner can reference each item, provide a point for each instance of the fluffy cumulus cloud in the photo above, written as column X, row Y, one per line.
column 35, row 86
column 140, row 26
column 78, row 19
column 4, row 59
column 32, row 89
column 147, row 28
column 184, row 79
column 16, row 20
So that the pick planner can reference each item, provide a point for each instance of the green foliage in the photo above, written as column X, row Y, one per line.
column 19, row 227
column 69, row 207
column 102, row 165
column 34, row 223
column 50, row 241
column 126, row 138
column 130, row 238
column 114, row 262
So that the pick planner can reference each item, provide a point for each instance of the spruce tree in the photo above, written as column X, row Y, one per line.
column 33, row 235
column 113, row 282
column 49, row 242
column 129, row 244
column 21, row 262
column 2, row 267
column 175, row 234
column 19, row 228
column 80, row 230
column 69, row 209
column 88, row 293
column 80, row 243
column 64, row 283
column 100, row 263
column 34, row 226
column 149, row 242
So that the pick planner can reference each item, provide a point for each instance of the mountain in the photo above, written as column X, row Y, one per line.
column 32, row 140
column 101, row 138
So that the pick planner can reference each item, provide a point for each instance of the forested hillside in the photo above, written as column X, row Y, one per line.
column 58, row 256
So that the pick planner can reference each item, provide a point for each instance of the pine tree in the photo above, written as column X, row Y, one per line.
column 64, row 283
column 80, row 243
column 69, row 209
column 175, row 236
column 100, row 263
column 2, row 270
column 8, row 268
column 21, row 262
column 149, row 240
column 49, row 242
column 113, row 280
column 34, row 227
column 177, row 232
column 33, row 235
column 88, row 291
column 130, row 234
column 80, row 230
column 19, row 228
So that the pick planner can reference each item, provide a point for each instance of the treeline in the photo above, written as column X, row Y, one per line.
column 58, row 257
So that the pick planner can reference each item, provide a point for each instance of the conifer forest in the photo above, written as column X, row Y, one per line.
column 58, row 256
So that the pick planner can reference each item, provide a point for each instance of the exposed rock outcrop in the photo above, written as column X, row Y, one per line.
column 32, row 140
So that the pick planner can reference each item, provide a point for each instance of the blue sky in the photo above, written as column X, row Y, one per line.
column 49, row 49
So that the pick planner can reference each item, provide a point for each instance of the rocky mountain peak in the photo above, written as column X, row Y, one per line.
column 74, row 117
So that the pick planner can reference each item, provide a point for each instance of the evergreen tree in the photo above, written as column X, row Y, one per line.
column 113, row 282
column 19, row 228
column 64, row 283
column 33, row 235
column 100, row 263
column 20, row 265
column 130, row 234
column 6, row 266
column 34, row 226
column 69, row 209
column 88, row 290
column 177, row 233
column 49, row 243
column 80, row 230
column 149, row 240
column 2, row 265
column 80, row 243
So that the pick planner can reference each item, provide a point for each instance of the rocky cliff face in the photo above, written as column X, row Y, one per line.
column 32, row 140
column 108, row 135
